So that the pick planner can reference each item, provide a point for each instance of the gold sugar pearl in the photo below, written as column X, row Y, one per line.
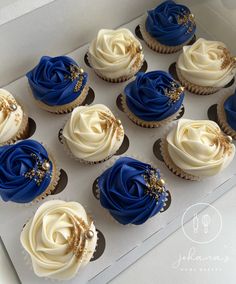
column 81, row 70
column 161, row 182
column 191, row 17
column 46, row 166
column 13, row 107
column 229, row 139
column 89, row 234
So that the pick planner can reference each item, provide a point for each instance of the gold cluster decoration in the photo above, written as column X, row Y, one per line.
column 174, row 92
column 7, row 105
column 110, row 121
column 39, row 172
column 155, row 186
column 80, row 234
column 188, row 20
column 223, row 140
column 227, row 59
column 135, row 50
column 77, row 72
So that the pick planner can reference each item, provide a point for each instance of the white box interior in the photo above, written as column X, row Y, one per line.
column 124, row 244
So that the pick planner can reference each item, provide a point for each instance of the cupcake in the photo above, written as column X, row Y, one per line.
column 13, row 119
column 58, row 84
column 115, row 55
column 60, row 239
column 153, row 99
column 195, row 149
column 132, row 191
column 226, row 112
column 205, row 67
column 168, row 27
column 27, row 172
column 92, row 134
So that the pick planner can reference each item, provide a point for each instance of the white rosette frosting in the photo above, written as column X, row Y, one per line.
column 199, row 147
column 207, row 63
column 11, row 116
column 92, row 133
column 60, row 239
column 115, row 54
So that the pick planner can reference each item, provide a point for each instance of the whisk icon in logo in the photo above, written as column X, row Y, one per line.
column 204, row 227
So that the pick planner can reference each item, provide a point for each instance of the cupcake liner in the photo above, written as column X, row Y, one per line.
column 67, row 107
column 72, row 156
column 23, row 130
column 222, row 120
column 120, row 79
column 147, row 124
column 27, row 258
column 171, row 165
column 110, row 164
column 154, row 44
column 198, row 90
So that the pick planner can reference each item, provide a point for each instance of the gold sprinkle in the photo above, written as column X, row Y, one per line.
column 7, row 105
column 174, row 92
column 111, row 121
column 155, row 185
column 227, row 59
column 187, row 20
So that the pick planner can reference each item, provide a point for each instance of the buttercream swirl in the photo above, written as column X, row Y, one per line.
column 230, row 110
column 60, row 239
column 207, row 63
column 115, row 53
column 57, row 81
column 132, row 191
column 93, row 133
column 25, row 171
column 199, row 148
column 171, row 24
column 154, row 96
column 11, row 116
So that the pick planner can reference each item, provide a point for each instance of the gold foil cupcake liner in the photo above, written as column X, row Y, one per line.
column 23, row 131
column 198, row 90
column 122, row 78
column 154, row 44
column 222, row 120
column 147, row 124
column 110, row 164
column 171, row 165
column 67, row 107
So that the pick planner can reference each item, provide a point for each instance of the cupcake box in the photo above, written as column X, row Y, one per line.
column 136, row 239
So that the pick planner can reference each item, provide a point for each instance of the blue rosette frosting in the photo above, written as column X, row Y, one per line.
column 230, row 110
column 25, row 171
column 132, row 191
column 57, row 81
column 154, row 96
column 171, row 24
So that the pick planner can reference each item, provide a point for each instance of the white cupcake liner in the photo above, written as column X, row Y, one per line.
column 198, row 90
column 221, row 115
column 108, row 165
column 154, row 44
column 120, row 79
column 147, row 124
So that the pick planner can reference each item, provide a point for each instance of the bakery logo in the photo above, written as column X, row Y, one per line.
column 203, row 227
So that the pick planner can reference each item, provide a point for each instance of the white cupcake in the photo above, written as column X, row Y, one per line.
column 115, row 55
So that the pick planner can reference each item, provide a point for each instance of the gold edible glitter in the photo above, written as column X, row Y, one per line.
column 226, row 57
column 76, row 72
column 79, row 236
column 188, row 20
column 174, row 92
column 155, row 186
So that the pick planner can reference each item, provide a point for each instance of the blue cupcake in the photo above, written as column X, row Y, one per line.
column 58, row 84
column 226, row 112
column 153, row 99
column 168, row 27
column 27, row 172
column 132, row 191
